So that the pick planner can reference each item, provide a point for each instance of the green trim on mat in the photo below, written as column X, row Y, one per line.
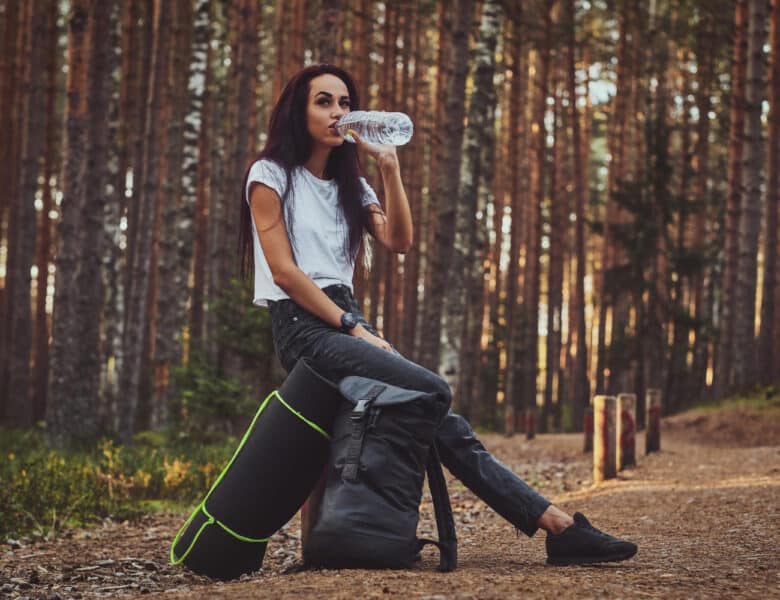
column 202, row 505
column 311, row 424
column 210, row 521
column 235, row 534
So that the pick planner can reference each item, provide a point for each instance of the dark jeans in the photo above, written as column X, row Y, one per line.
column 297, row 333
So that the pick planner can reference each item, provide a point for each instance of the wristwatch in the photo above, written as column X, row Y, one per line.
column 348, row 322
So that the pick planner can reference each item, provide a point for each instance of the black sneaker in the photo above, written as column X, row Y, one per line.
column 583, row 544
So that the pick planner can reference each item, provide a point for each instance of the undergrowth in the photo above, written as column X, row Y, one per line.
column 765, row 400
column 45, row 490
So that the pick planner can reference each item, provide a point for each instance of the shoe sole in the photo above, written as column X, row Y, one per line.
column 588, row 560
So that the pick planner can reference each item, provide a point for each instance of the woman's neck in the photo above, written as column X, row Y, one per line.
column 318, row 161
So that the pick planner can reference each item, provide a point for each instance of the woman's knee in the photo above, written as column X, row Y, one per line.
column 442, row 388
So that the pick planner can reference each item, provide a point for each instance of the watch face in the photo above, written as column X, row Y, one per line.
column 349, row 320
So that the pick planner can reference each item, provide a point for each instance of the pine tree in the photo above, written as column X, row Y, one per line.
column 744, row 364
column 769, row 337
column 445, row 187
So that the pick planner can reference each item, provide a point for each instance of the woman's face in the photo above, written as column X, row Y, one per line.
column 328, row 101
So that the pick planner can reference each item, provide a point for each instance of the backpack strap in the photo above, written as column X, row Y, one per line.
column 445, row 522
column 359, row 426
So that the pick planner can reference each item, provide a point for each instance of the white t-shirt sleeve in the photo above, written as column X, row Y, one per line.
column 369, row 195
column 268, row 173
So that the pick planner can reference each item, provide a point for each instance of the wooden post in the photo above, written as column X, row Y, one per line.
column 604, row 465
column 587, row 426
column 653, row 421
column 530, row 423
column 626, row 431
column 509, row 420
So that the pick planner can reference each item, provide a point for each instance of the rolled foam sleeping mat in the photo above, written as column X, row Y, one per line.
column 273, row 470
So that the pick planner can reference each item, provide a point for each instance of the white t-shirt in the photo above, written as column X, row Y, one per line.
column 319, row 228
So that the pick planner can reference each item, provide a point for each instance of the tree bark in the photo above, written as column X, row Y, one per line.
column 514, row 329
column 327, row 28
column 197, row 159
column 71, row 418
column 768, row 360
column 446, row 186
column 22, row 232
column 467, row 312
column 51, row 154
column 177, row 223
column 149, row 197
column 723, row 382
column 580, row 383
column 558, row 235
column 609, row 254
column 703, row 228
column 744, row 362
column 531, row 294
column 11, row 120
column 416, row 164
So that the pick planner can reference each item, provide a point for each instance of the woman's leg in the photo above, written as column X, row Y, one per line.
column 336, row 355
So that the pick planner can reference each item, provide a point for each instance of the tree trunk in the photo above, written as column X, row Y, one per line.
column 139, row 89
column 531, row 295
column 22, row 232
column 607, row 298
column 51, row 153
column 177, row 223
column 676, row 373
column 580, row 383
column 327, row 28
column 149, row 198
column 113, row 182
column 16, row 28
column 723, row 382
column 197, row 158
column 745, row 372
column 703, row 229
column 476, row 178
column 768, row 361
column 514, row 329
column 558, row 235
column 72, row 415
column 416, row 163
column 446, row 186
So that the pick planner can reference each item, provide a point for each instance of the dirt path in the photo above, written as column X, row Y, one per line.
column 705, row 513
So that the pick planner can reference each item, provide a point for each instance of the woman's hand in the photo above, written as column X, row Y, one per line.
column 361, row 332
column 384, row 154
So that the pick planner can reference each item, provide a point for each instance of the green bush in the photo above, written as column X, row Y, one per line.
column 44, row 490
column 217, row 395
column 207, row 406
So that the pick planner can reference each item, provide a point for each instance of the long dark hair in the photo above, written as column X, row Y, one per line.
column 289, row 145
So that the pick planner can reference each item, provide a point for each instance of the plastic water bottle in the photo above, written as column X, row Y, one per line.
column 377, row 127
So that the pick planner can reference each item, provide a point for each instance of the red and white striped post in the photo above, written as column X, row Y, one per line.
column 604, row 446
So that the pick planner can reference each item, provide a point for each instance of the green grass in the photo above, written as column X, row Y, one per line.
column 44, row 490
column 765, row 400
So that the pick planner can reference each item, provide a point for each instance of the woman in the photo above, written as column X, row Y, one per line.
column 304, row 212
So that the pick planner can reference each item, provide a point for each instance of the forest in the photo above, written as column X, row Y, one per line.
column 594, row 188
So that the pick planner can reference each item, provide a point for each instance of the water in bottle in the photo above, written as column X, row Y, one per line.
column 377, row 127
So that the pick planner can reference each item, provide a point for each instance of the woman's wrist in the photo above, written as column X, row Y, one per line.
column 388, row 163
